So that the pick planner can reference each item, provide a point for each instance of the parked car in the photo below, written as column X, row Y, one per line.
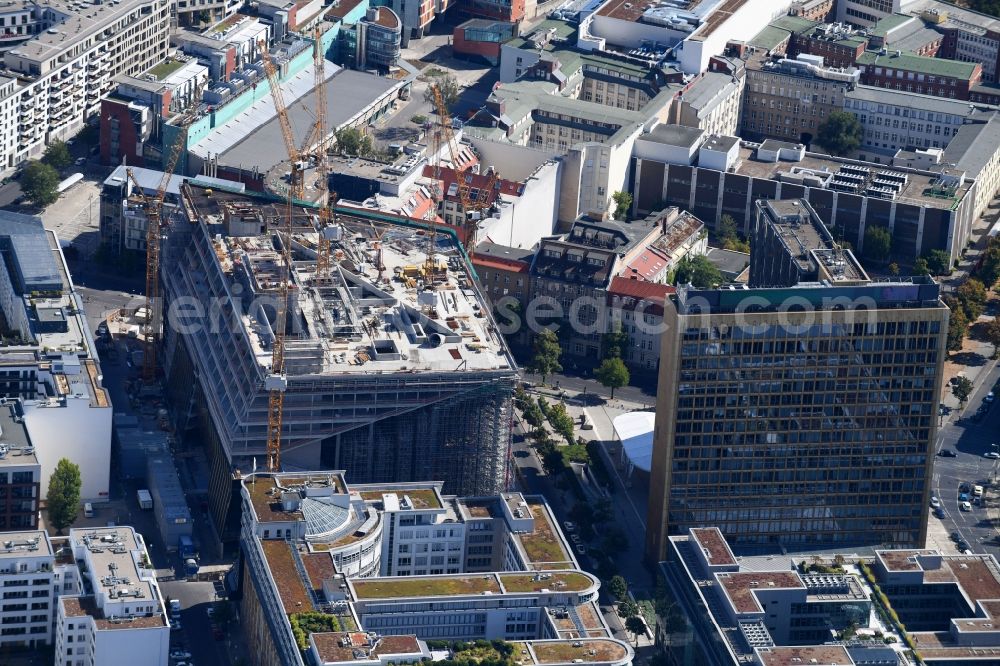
column 956, row 536
column 935, row 502
column 570, row 527
column 964, row 487
column 963, row 497
column 179, row 654
column 581, row 549
column 939, row 513
column 947, row 453
column 965, row 506
column 990, row 397
column 992, row 455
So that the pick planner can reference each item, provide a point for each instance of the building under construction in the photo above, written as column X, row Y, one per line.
column 395, row 369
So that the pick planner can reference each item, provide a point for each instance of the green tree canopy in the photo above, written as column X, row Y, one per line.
column 989, row 270
column 840, row 133
column 939, row 262
column 39, row 183
column 920, row 267
column 878, row 243
column 613, row 374
column 57, row 155
column 546, row 354
column 958, row 326
column 962, row 388
column 699, row 271
column 729, row 234
column 992, row 334
column 627, row 609
column 352, row 141
column 64, row 495
column 623, row 204
column 618, row 588
column 615, row 341
column 635, row 626
column 448, row 86
column 972, row 295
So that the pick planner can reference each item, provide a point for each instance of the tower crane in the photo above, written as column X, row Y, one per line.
column 470, row 204
column 324, row 232
column 295, row 185
column 154, row 223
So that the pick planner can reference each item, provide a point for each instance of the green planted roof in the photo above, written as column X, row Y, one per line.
column 796, row 24
column 914, row 63
column 769, row 37
column 882, row 28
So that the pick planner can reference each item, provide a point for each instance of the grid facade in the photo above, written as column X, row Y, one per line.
column 799, row 435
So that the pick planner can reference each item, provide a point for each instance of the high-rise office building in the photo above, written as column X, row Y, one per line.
column 800, row 415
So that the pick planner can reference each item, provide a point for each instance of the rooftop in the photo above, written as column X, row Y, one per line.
column 542, row 545
column 16, row 448
column 32, row 543
column 332, row 647
column 889, row 23
column 425, row 586
column 919, row 188
column 167, row 67
column 295, row 598
column 715, row 546
column 742, row 588
column 675, row 135
column 386, row 309
column 573, row 652
column 67, row 27
column 962, row 71
column 813, row 655
column 420, row 498
column 770, row 37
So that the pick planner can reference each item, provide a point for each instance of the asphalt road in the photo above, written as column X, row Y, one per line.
column 970, row 441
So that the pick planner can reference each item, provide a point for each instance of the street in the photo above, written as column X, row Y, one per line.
column 970, row 441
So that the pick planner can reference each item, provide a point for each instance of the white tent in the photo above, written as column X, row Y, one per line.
column 635, row 431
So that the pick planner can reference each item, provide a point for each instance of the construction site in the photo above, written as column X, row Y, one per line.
column 393, row 369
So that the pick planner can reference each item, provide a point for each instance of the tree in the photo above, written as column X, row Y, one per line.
column 958, row 325
column 57, row 155
column 730, row 236
column 353, row 141
column 64, row 495
column 878, row 243
column 920, row 267
column 840, row 133
column 939, row 262
column 614, row 341
column 623, row 204
column 698, row 271
column 627, row 609
column 972, row 295
column 39, row 183
column 992, row 334
column 547, row 352
column 894, row 268
column 618, row 588
column 989, row 269
column 448, row 87
column 612, row 374
column 635, row 625
column 962, row 388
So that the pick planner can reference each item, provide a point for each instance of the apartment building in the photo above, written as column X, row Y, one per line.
column 52, row 82
column 713, row 102
column 928, row 205
column 638, row 306
column 839, row 44
column 504, row 271
column 894, row 120
column 573, row 272
column 49, row 361
column 430, row 399
column 20, row 471
column 932, row 76
column 118, row 611
column 815, row 405
column 34, row 574
column 301, row 536
column 788, row 99
column 911, row 34
column 482, row 38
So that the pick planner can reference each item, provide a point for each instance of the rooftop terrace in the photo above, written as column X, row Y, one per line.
column 32, row 543
column 369, row 589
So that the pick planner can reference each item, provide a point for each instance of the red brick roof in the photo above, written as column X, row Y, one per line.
column 640, row 290
column 476, row 181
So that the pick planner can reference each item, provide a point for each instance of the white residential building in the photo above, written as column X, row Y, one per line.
column 51, row 82
column 124, row 619
column 50, row 361
column 33, row 577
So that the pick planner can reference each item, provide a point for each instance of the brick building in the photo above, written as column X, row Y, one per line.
column 482, row 38
column 919, row 74
column 839, row 44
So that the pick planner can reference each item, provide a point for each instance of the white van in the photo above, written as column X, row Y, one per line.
column 88, row 510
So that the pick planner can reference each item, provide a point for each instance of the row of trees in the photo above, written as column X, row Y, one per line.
column 612, row 373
